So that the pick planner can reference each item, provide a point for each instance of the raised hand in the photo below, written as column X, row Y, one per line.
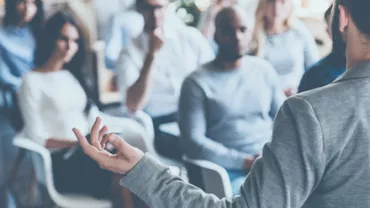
column 123, row 161
column 156, row 41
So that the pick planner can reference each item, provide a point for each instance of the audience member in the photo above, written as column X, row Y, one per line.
column 126, row 25
column 19, row 31
column 152, row 68
column 326, row 70
column 21, row 26
column 53, row 98
column 284, row 41
column 228, row 105
column 319, row 154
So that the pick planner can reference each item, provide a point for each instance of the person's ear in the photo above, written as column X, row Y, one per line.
column 343, row 18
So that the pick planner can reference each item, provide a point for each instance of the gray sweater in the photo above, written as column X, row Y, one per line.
column 319, row 157
column 226, row 115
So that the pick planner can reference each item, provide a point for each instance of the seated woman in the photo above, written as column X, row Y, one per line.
column 228, row 105
column 19, row 32
column 284, row 41
column 54, row 98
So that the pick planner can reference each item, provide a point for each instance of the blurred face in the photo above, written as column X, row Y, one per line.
column 233, row 36
column 26, row 10
column 153, row 12
column 277, row 11
column 67, row 43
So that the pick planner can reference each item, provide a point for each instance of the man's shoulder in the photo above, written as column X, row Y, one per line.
column 262, row 66
column 202, row 73
column 188, row 33
column 133, row 49
column 257, row 61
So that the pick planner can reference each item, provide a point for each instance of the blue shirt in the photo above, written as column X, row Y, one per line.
column 227, row 115
column 323, row 73
column 17, row 47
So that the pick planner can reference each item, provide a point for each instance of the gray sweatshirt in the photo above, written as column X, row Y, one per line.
column 226, row 115
column 319, row 157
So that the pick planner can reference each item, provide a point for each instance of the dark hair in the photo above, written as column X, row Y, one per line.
column 45, row 48
column 359, row 10
column 327, row 14
column 12, row 18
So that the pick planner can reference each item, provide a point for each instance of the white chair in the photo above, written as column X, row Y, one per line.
column 208, row 176
column 132, row 132
column 41, row 159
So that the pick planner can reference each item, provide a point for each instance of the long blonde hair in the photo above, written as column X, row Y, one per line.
column 259, row 34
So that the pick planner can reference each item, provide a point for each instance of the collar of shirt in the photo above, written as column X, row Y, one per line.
column 20, row 31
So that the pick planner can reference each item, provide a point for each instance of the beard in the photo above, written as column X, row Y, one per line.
column 339, row 44
column 229, row 54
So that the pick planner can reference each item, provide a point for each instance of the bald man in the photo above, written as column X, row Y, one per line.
column 227, row 106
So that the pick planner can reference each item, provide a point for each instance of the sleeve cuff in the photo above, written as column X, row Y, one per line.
column 140, row 177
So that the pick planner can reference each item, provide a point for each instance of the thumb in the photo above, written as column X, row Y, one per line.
column 118, row 143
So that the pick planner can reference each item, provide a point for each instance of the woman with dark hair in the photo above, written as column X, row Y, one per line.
column 319, row 156
column 19, row 32
column 54, row 98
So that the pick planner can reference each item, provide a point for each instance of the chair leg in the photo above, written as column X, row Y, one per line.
column 18, row 162
column 32, row 189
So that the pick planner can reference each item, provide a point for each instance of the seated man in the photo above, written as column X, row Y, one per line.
column 152, row 68
column 125, row 25
column 325, row 71
column 227, row 106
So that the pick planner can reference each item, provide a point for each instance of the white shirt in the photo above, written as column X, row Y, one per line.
column 184, row 50
column 52, row 104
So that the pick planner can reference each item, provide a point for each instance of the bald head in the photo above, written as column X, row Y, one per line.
column 232, row 15
column 233, row 32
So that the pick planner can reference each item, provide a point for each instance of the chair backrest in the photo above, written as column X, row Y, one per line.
column 208, row 176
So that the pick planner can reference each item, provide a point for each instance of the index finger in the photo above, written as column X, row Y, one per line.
column 81, row 139
column 94, row 137
column 86, row 147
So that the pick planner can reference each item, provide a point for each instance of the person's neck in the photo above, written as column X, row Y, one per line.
column 151, row 30
column 53, row 65
column 228, row 65
column 276, row 28
column 21, row 24
column 356, row 54
column 353, row 61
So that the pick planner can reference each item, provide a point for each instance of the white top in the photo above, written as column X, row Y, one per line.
column 52, row 104
column 184, row 50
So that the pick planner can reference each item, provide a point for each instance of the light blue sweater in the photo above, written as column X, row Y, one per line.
column 226, row 115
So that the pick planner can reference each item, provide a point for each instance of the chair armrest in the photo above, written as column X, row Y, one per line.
column 208, row 167
column 170, row 128
column 28, row 144
column 43, row 168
